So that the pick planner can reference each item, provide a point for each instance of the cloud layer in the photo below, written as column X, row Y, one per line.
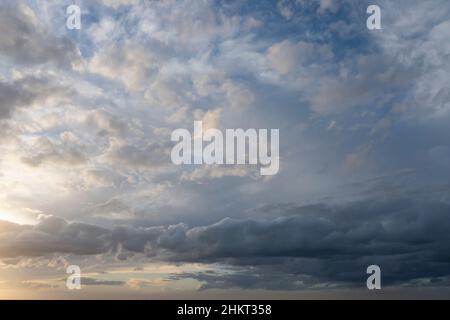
column 332, row 244
column 86, row 117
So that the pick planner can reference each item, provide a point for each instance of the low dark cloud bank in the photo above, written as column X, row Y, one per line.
column 409, row 239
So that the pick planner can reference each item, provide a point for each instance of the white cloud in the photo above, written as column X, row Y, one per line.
column 287, row 56
column 128, row 64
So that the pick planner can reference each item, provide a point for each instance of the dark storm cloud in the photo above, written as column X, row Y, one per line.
column 329, row 246
column 365, row 228
column 53, row 235
column 24, row 41
column 409, row 239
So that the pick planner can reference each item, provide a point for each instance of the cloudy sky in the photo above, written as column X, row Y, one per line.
column 85, row 171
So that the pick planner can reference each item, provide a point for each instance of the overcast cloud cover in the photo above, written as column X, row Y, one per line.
column 85, row 123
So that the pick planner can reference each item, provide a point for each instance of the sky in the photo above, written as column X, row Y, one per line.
column 86, row 177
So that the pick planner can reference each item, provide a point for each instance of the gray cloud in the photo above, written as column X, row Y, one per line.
column 99, row 282
column 373, row 82
column 12, row 97
column 53, row 235
column 29, row 90
column 408, row 238
column 256, row 277
column 25, row 41
column 351, row 104
column 45, row 151
column 129, row 156
column 367, row 228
